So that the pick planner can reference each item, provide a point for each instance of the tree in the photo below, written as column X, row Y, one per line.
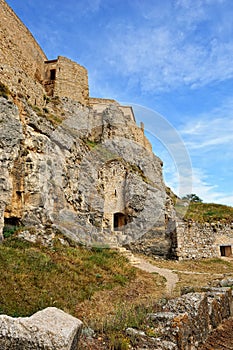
column 192, row 198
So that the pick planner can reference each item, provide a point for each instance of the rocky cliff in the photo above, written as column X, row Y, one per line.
column 69, row 162
column 71, row 168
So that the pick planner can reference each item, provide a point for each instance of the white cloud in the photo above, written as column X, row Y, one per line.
column 187, row 49
column 210, row 130
column 210, row 193
column 200, row 186
column 209, row 139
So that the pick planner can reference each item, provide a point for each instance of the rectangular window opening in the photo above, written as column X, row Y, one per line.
column 52, row 74
column 226, row 250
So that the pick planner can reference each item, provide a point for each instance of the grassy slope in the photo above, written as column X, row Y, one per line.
column 207, row 212
column 33, row 277
column 96, row 285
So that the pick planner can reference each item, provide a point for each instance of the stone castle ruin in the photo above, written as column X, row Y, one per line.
column 81, row 165
column 63, row 78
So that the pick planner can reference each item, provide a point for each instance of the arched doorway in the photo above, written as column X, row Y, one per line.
column 119, row 220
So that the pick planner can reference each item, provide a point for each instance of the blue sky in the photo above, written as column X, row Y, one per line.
column 173, row 57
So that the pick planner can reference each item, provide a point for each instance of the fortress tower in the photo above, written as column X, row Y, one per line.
column 25, row 69
column 63, row 77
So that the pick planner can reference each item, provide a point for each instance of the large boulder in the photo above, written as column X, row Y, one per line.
column 50, row 329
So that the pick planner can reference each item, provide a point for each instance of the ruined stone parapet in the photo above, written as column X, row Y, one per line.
column 188, row 320
column 49, row 329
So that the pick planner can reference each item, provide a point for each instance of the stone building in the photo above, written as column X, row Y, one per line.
column 203, row 240
column 25, row 69
column 63, row 78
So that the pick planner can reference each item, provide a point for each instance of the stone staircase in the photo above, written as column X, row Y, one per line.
column 129, row 255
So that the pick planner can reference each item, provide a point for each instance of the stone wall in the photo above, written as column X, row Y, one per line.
column 69, row 80
column 23, row 69
column 196, row 240
column 21, row 58
column 112, row 177
column 187, row 321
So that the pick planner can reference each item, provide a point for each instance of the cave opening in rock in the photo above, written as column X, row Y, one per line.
column 12, row 221
column 10, row 226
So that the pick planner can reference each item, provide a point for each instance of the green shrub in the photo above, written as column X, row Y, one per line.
column 9, row 230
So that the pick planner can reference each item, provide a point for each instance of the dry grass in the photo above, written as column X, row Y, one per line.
column 196, row 273
column 96, row 285
column 214, row 265
column 192, row 281
column 83, row 282
column 33, row 277
column 209, row 212
column 100, row 312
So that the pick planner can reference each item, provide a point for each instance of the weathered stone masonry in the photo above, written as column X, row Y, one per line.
column 196, row 240
column 25, row 69
column 64, row 77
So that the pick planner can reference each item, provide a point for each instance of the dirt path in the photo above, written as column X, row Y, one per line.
column 144, row 265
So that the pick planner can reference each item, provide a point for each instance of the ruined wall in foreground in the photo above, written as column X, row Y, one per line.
column 21, row 58
column 187, row 321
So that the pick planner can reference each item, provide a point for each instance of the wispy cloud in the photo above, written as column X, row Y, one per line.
column 210, row 193
column 209, row 140
column 210, row 130
column 183, row 50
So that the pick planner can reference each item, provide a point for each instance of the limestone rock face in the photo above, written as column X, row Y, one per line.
column 50, row 329
column 11, row 135
column 87, row 173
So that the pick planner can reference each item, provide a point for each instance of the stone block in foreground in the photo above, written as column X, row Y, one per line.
column 48, row 329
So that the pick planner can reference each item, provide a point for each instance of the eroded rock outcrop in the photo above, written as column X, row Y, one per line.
column 83, row 172
column 70, row 162
column 49, row 329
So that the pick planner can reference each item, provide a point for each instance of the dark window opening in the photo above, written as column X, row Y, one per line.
column 10, row 226
column 226, row 250
column 119, row 221
column 52, row 74
column 13, row 221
